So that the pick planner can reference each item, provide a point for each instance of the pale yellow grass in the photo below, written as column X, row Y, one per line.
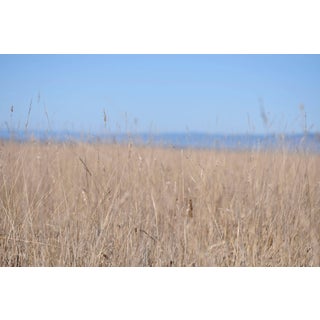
column 112, row 205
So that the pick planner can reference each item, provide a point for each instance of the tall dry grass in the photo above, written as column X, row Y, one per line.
column 111, row 205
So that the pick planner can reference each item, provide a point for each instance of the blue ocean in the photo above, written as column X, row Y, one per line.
column 294, row 142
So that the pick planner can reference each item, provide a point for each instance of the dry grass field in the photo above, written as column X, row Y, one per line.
column 78, row 204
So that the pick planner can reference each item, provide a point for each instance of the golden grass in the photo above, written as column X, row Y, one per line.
column 111, row 205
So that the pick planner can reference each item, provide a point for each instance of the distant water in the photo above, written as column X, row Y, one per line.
column 308, row 142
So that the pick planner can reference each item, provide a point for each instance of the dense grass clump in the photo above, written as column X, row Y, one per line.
column 123, row 205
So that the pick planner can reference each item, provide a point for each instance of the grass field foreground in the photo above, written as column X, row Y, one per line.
column 79, row 204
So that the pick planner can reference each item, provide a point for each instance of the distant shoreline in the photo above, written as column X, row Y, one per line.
column 309, row 142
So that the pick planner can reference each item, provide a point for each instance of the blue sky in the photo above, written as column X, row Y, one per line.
column 161, row 93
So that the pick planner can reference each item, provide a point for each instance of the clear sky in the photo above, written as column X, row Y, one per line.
column 161, row 93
